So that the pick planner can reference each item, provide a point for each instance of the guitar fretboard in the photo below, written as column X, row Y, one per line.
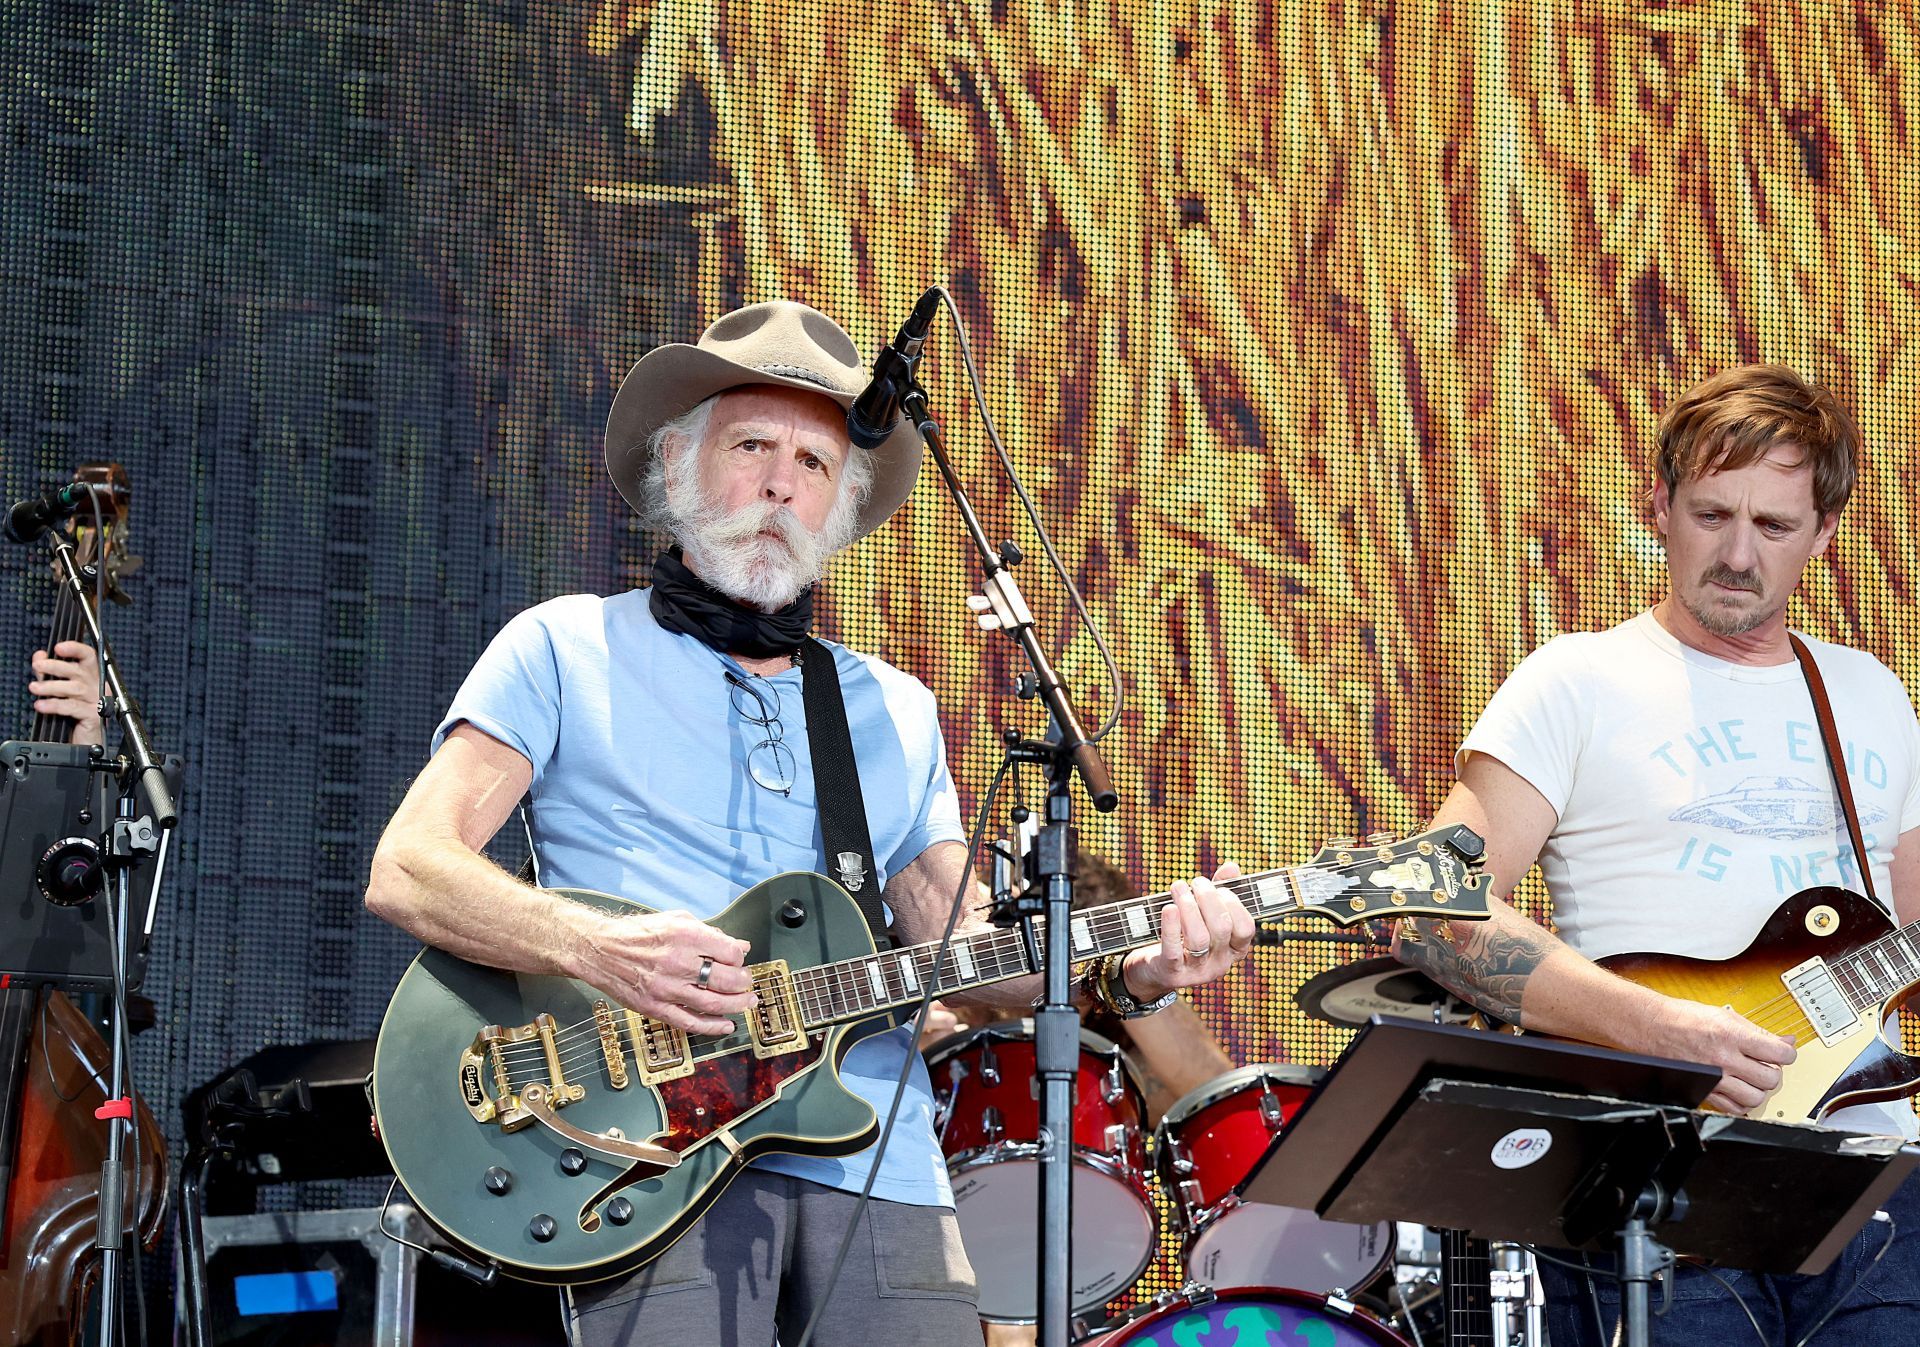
column 851, row 988
column 1466, row 1273
column 1875, row 971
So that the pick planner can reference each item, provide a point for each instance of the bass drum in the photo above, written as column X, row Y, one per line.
column 1246, row 1315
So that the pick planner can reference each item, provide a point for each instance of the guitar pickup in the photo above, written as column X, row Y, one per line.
column 660, row 1051
column 1822, row 1001
column 775, row 1025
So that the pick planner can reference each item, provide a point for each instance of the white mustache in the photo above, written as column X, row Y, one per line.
column 752, row 520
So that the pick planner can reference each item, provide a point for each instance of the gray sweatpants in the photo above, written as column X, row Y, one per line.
column 756, row 1265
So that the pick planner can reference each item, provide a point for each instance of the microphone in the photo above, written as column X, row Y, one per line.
column 30, row 518
column 877, row 410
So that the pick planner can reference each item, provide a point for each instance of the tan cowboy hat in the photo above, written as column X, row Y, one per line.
column 779, row 342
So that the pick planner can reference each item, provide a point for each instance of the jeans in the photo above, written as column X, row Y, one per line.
column 1879, row 1303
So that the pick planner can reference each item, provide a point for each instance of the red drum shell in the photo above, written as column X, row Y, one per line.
column 1222, row 1131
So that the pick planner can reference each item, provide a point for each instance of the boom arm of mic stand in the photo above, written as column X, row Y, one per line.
column 1010, row 615
column 147, row 770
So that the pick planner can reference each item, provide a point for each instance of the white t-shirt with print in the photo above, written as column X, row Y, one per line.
column 1693, row 795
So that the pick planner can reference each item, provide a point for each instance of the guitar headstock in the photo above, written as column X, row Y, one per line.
column 1431, row 874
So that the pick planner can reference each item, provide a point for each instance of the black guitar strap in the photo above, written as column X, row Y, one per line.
column 1836, row 757
column 836, row 785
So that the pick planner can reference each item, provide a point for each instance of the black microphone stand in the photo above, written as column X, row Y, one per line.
column 124, row 840
column 1043, row 910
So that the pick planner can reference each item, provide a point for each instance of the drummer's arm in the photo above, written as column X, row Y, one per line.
column 1173, row 1052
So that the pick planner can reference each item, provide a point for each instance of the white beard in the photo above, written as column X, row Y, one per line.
column 730, row 551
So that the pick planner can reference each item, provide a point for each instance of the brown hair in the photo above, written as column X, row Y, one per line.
column 1732, row 419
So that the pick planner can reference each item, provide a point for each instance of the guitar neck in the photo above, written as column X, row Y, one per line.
column 1879, row 969
column 1466, row 1278
column 855, row 988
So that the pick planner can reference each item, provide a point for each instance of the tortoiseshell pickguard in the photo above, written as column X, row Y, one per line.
column 725, row 1088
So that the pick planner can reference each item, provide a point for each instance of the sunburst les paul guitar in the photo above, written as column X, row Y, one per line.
column 564, row 1138
column 1826, row 971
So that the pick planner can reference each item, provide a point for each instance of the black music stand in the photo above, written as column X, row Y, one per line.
column 1574, row 1147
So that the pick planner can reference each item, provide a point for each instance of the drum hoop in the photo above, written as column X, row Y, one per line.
column 1233, row 1201
column 1205, row 1096
column 1006, row 1152
column 1011, row 1031
column 1145, row 1314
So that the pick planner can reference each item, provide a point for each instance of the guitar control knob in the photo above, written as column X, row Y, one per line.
column 793, row 913
column 572, row 1161
column 499, row 1181
column 619, row 1211
column 543, row 1228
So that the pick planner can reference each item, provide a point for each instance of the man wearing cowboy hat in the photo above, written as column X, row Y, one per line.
column 661, row 737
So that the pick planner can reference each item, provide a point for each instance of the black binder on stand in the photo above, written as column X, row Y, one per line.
column 1574, row 1147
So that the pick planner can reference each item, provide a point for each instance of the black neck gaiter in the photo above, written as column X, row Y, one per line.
column 682, row 602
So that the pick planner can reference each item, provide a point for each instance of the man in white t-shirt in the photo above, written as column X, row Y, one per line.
column 1671, row 780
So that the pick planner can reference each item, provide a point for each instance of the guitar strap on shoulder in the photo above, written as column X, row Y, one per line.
column 1836, row 757
column 836, row 785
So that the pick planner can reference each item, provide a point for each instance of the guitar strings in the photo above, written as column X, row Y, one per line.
column 822, row 989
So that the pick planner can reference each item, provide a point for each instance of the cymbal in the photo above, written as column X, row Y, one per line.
column 1355, row 992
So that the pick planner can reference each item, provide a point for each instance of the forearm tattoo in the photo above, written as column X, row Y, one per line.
column 1486, row 963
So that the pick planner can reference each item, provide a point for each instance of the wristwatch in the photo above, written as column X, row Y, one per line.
column 1110, row 988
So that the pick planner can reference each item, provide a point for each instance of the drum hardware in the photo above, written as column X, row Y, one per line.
column 1114, row 1088
column 1519, row 1300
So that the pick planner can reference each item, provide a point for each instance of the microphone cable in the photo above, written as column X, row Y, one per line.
column 1032, row 512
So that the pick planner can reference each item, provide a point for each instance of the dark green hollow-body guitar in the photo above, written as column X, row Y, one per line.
column 565, row 1139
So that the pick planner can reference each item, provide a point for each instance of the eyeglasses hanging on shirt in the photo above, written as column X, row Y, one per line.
column 770, row 762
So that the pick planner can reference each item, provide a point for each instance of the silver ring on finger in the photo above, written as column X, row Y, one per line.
column 706, row 971
column 1200, row 953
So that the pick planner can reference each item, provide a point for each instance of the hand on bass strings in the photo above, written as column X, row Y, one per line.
column 1750, row 1059
column 1204, row 931
column 67, row 683
column 666, row 965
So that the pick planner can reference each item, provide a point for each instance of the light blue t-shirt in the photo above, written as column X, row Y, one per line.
column 641, row 789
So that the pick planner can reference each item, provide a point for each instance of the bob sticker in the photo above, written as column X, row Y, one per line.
column 1521, row 1147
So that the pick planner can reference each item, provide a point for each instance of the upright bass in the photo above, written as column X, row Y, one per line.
column 53, row 1073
